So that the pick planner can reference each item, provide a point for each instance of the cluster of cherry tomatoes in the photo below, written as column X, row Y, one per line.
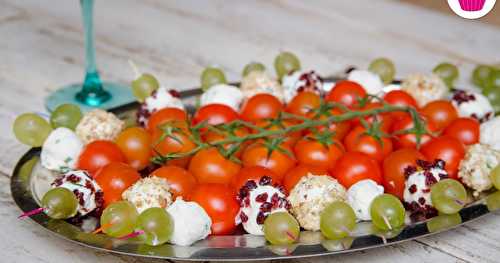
column 373, row 148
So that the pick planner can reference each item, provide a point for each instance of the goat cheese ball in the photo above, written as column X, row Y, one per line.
column 191, row 222
column 472, row 105
column 159, row 99
column 149, row 192
column 223, row 94
column 425, row 88
column 311, row 195
column 490, row 133
column 475, row 168
column 260, row 82
column 88, row 193
column 301, row 81
column 99, row 125
column 360, row 196
column 370, row 81
column 257, row 201
column 61, row 150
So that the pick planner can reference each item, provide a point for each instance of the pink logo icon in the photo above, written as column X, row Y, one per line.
column 471, row 5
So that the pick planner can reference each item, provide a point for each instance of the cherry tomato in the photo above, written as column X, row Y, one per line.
column 253, row 173
column 209, row 166
column 114, row 179
column 261, row 106
column 135, row 144
column 340, row 129
column 258, row 154
column 98, row 154
column 440, row 112
column 353, row 167
column 177, row 142
column 181, row 182
column 303, row 103
column 400, row 98
column 448, row 149
column 312, row 152
column 465, row 130
column 165, row 115
column 274, row 125
column 409, row 140
column 215, row 114
column 385, row 120
column 394, row 169
column 219, row 201
column 294, row 175
column 212, row 137
column 358, row 141
column 346, row 92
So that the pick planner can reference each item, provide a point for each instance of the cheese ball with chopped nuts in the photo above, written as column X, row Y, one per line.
column 99, row 125
column 475, row 168
column 424, row 88
column 149, row 192
column 260, row 82
column 311, row 195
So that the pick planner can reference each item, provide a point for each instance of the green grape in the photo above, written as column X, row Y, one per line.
column 493, row 201
column 384, row 68
column 281, row 228
column 493, row 80
column 212, row 76
column 493, row 95
column 66, row 115
column 337, row 220
column 119, row 219
column 253, row 66
column 447, row 72
column 481, row 74
column 60, row 203
column 448, row 196
column 387, row 212
column 157, row 224
column 387, row 234
column 337, row 244
column 495, row 177
column 144, row 85
column 31, row 129
column 443, row 222
column 285, row 63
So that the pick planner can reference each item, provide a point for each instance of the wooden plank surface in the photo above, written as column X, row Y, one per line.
column 41, row 48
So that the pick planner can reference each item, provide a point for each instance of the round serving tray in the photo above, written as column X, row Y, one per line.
column 29, row 181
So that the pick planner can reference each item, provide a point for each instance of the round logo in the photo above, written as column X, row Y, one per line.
column 471, row 9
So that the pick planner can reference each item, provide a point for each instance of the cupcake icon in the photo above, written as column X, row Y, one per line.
column 471, row 5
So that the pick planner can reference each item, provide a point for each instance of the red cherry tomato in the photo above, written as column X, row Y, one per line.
column 253, row 173
column 385, row 120
column 209, row 166
column 135, row 144
column 400, row 98
column 98, row 154
column 177, row 142
column 261, row 106
column 212, row 137
column 346, row 92
column 258, row 154
column 219, row 201
column 409, row 140
column 312, row 152
column 215, row 114
column 465, row 130
column 165, row 115
column 290, row 138
column 394, row 169
column 353, row 167
column 340, row 129
column 294, row 175
column 448, row 149
column 115, row 178
column 181, row 182
column 303, row 103
column 440, row 112
column 358, row 141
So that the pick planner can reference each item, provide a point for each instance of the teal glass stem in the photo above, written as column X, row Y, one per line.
column 92, row 92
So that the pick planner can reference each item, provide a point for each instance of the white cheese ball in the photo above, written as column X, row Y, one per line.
column 490, row 133
column 61, row 150
column 425, row 88
column 310, row 197
column 191, row 222
column 99, row 125
column 159, row 99
column 260, row 82
column 418, row 186
column 149, row 192
column 370, row 81
column 472, row 105
column 301, row 81
column 360, row 196
column 223, row 94
column 475, row 168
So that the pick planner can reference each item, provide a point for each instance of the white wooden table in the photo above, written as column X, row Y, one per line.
column 41, row 48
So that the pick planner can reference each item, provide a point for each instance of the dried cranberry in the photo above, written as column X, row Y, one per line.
column 90, row 186
column 174, row 93
column 421, row 201
column 265, row 180
column 261, row 198
column 461, row 96
column 243, row 193
column 79, row 196
column 72, row 178
column 246, row 202
column 409, row 170
column 427, row 190
column 438, row 163
column 275, row 200
column 424, row 164
column 261, row 217
column 250, row 185
column 429, row 178
column 58, row 182
column 412, row 189
column 266, row 207
column 243, row 217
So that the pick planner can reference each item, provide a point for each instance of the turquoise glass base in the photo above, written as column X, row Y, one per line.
column 119, row 94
